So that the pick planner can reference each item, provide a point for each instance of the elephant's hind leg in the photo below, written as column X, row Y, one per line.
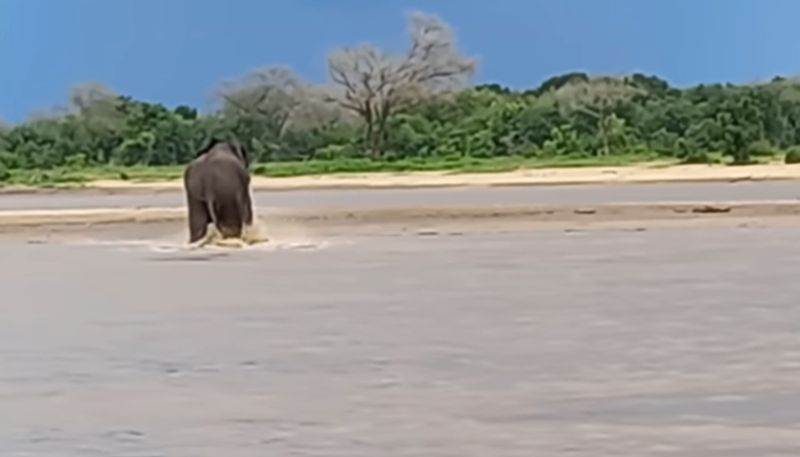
column 199, row 218
column 247, row 209
column 229, row 219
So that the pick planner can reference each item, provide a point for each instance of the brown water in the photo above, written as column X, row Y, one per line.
column 662, row 342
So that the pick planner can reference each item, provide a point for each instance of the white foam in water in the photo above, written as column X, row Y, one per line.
column 254, row 238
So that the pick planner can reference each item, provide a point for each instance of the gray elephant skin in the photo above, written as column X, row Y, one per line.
column 217, row 187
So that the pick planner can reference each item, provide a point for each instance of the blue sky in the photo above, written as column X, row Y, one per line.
column 177, row 51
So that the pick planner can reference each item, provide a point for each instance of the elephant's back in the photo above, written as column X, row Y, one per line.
column 224, row 174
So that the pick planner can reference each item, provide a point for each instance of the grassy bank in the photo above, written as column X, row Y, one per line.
column 77, row 176
column 67, row 177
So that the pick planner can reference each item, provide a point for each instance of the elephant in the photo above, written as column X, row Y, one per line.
column 217, row 187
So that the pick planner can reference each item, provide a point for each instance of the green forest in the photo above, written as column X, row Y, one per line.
column 415, row 110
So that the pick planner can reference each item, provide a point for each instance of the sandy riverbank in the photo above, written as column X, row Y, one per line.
column 143, row 221
column 526, row 177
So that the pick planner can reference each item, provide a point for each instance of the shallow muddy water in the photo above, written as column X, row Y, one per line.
column 653, row 343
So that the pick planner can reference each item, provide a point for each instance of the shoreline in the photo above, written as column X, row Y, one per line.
column 405, row 219
column 634, row 174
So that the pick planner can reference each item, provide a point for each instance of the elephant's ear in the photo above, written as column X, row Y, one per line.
column 243, row 152
column 213, row 141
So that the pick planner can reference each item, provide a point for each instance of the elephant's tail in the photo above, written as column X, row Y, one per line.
column 212, row 212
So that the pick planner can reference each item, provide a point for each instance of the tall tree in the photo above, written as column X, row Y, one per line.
column 598, row 98
column 376, row 85
column 272, row 94
column 269, row 103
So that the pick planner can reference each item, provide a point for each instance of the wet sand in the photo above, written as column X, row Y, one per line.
column 146, row 223
column 590, row 194
column 454, row 208
column 600, row 343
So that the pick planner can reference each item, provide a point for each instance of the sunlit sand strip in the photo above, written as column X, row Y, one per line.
column 650, row 173
column 542, row 176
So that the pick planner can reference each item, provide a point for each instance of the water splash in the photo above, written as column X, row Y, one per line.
column 251, row 235
column 257, row 237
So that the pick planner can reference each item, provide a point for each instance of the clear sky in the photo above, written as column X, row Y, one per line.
column 176, row 51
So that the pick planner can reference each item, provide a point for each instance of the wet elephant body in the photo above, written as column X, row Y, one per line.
column 217, row 186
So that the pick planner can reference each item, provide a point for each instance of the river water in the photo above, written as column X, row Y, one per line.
column 603, row 343
column 437, row 197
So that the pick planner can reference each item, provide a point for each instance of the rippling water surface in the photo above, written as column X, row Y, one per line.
column 650, row 343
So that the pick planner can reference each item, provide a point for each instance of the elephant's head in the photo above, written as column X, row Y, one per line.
column 233, row 146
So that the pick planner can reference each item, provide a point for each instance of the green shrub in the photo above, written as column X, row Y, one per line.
column 761, row 148
column 698, row 157
column 5, row 174
column 75, row 161
column 792, row 155
column 690, row 153
column 8, row 159
column 335, row 152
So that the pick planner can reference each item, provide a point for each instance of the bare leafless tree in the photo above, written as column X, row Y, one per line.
column 375, row 85
column 46, row 114
column 96, row 104
column 87, row 96
column 277, row 97
column 269, row 93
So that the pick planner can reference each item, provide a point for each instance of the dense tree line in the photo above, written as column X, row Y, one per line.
column 419, row 105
